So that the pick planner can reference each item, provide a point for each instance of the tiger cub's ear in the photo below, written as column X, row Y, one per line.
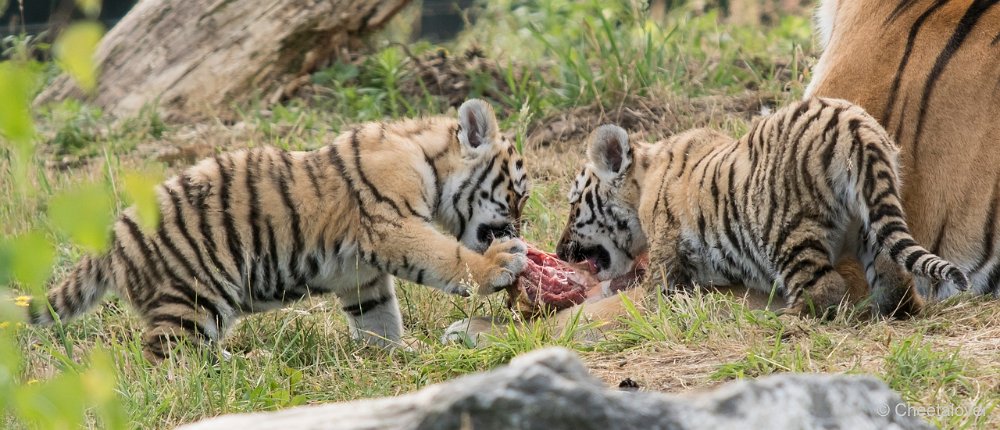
column 609, row 151
column 477, row 124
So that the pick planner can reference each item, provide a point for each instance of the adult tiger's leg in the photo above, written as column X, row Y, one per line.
column 373, row 311
column 853, row 272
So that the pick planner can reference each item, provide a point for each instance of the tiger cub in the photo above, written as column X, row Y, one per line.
column 249, row 230
column 776, row 208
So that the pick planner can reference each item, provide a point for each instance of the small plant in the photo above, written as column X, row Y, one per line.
column 80, row 127
column 525, row 94
column 386, row 71
column 765, row 360
column 22, row 47
column 912, row 367
column 145, row 124
column 369, row 90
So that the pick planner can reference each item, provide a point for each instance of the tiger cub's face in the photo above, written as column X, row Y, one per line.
column 486, row 196
column 603, row 227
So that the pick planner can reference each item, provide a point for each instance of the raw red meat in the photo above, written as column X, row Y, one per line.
column 550, row 284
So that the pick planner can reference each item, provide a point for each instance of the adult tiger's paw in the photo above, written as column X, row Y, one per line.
column 507, row 258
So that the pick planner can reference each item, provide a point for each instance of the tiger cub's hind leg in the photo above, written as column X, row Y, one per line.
column 812, row 284
column 893, row 291
column 170, row 319
column 819, row 294
column 373, row 311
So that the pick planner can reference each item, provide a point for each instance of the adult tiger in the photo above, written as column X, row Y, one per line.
column 929, row 71
column 249, row 230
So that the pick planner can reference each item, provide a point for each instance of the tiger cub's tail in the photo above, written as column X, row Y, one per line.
column 80, row 290
column 877, row 188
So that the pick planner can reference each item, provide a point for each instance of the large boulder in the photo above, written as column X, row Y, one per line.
column 551, row 389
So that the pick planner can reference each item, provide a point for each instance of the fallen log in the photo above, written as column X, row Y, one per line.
column 193, row 58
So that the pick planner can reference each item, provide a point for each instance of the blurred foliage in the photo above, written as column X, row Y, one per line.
column 30, row 256
column 140, row 188
column 79, row 393
column 83, row 213
column 17, row 84
column 74, row 52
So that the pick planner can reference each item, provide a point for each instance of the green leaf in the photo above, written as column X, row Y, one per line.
column 74, row 51
column 30, row 257
column 99, row 385
column 91, row 8
column 16, row 83
column 6, row 262
column 10, row 365
column 141, row 190
column 294, row 376
column 84, row 213
column 54, row 404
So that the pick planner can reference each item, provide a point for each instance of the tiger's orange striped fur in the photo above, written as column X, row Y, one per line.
column 929, row 72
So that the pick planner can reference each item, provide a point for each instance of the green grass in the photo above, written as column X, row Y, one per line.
column 613, row 57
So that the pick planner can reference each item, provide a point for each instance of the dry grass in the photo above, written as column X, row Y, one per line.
column 969, row 328
column 651, row 117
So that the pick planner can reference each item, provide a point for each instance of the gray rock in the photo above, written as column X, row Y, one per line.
column 551, row 389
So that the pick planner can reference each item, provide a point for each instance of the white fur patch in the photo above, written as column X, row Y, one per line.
column 825, row 15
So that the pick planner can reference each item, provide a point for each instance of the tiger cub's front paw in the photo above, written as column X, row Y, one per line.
column 507, row 258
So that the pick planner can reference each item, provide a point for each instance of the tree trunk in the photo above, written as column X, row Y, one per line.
column 203, row 57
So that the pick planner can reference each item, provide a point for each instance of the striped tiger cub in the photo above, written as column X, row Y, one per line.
column 249, row 230
column 810, row 183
